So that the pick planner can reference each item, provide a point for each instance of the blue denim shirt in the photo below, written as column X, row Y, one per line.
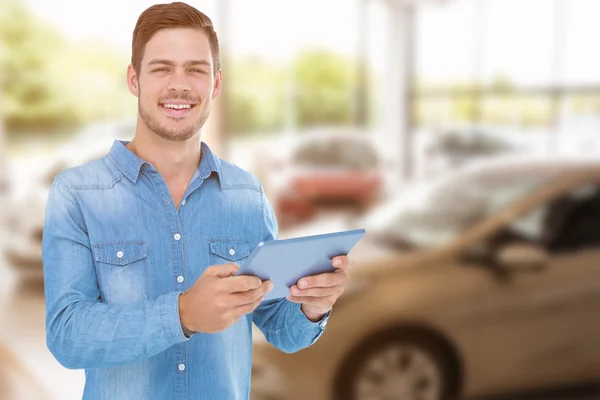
column 117, row 254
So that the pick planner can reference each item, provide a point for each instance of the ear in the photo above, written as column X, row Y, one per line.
column 132, row 81
column 218, row 84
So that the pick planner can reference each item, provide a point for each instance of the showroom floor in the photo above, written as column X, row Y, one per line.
column 23, row 349
column 22, row 335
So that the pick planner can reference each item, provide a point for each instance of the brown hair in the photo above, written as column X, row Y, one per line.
column 174, row 15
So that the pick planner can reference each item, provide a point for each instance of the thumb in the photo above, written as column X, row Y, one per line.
column 225, row 270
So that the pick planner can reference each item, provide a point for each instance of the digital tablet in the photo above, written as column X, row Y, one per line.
column 285, row 261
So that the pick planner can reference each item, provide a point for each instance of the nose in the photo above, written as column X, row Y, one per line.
column 179, row 82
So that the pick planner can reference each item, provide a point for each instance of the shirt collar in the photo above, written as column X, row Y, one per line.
column 130, row 164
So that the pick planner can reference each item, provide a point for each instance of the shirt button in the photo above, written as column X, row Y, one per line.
column 177, row 236
column 181, row 367
column 180, row 279
column 183, row 202
column 232, row 251
column 119, row 254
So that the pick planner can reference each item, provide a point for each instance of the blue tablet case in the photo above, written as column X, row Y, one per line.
column 285, row 261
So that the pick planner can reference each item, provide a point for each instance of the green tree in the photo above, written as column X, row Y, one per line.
column 49, row 83
column 29, row 99
column 325, row 86
column 257, row 93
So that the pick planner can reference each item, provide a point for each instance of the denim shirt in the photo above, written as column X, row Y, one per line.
column 117, row 254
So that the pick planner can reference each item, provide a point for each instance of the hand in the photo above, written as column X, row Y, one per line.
column 218, row 299
column 318, row 293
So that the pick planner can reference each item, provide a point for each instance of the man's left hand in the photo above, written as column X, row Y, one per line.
column 318, row 293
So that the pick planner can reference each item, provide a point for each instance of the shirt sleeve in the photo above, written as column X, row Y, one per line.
column 82, row 331
column 282, row 322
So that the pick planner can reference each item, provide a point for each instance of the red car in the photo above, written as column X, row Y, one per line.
column 327, row 169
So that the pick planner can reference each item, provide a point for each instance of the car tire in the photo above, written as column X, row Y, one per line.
column 399, row 365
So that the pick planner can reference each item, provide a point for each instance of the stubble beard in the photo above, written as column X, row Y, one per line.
column 178, row 134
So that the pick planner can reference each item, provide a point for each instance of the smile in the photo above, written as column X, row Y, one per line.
column 177, row 110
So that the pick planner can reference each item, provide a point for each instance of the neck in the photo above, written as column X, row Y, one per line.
column 175, row 161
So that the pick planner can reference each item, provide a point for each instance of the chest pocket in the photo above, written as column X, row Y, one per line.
column 226, row 251
column 122, row 271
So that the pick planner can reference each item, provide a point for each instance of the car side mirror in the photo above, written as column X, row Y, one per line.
column 522, row 257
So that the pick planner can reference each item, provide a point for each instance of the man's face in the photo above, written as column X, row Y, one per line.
column 176, row 83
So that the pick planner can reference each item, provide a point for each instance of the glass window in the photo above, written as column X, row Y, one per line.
column 421, row 219
column 517, row 110
column 445, row 43
column 581, row 29
column 519, row 41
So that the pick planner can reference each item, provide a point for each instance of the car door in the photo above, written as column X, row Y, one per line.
column 540, row 327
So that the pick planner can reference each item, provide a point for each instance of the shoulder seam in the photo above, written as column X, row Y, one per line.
column 241, row 186
column 62, row 183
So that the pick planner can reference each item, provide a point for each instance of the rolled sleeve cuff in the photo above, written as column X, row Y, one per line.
column 302, row 321
column 169, row 318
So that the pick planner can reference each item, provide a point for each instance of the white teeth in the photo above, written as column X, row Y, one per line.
column 177, row 106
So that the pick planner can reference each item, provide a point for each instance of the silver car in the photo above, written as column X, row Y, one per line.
column 24, row 223
column 486, row 282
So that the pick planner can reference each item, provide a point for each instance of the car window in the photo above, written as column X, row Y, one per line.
column 561, row 224
column 576, row 226
column 433, row 214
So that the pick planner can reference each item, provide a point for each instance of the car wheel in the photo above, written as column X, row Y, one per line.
column 399, row 366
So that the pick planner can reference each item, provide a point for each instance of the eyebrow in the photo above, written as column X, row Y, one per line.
column 187, row 63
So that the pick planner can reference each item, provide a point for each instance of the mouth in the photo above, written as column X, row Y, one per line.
column 176, row 109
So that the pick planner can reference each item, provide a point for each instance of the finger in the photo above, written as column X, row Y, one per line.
column 318, row 291
column 248, row 308
column 241, row 298
column 327, row 279
column 223, row 270
column 342, row 262
column 242, row 283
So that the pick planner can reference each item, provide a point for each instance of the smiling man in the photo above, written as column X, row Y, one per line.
column 140, row 246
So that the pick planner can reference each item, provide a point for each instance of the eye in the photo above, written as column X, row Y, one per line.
column 198, row 71
column 160, row 69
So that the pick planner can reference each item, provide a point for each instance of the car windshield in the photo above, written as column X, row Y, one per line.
column 335, row 153
column 434, row 213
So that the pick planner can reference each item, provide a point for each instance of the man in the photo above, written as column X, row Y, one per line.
column 140, row 246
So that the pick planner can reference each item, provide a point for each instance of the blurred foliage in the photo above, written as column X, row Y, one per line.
column 497, row 104
column 527, row 111
column 50, row 84
column 317, row 89
column 325, row 84
column 583, row 104
column 257, row 98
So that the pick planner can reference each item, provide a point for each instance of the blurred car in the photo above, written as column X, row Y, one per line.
column 326, row 169
column 24, row 224
column 4, row 192
column 4, row 183
column 17, row 381
column 453, row 148
column 485, row 282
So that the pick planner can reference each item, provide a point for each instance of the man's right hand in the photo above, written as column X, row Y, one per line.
column 218, row 299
